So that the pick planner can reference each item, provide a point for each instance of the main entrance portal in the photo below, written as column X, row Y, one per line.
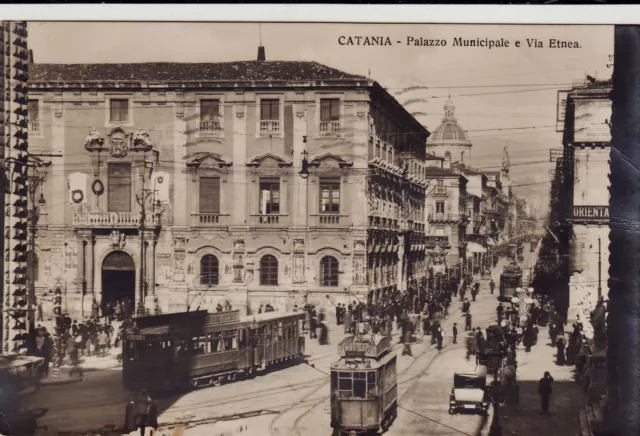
column 118, row 282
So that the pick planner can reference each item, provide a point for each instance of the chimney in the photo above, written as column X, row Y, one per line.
column 261, row 55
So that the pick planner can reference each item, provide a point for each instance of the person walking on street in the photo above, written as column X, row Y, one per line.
column 492, row 286
column 500, row 311
column 545, row 390
column 455, row 333
column 40, row 311
column 560, row 360
column 313, row 323
column 467, row 322
column 440, row 334
column 474, row 292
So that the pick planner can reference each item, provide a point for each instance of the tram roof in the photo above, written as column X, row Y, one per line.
column 164, row 324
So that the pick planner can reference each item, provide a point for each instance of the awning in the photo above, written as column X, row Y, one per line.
column 474, row 247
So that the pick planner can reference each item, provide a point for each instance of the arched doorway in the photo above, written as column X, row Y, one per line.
column 118, row 282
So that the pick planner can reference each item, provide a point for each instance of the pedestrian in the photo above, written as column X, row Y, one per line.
column 146, row 412
column 324, row 333
column 467, row 322
column 545, row 390
column 560, row 360
column 455, row 332
column 102, row 342
column 492, row 286
column 500, row 311
column 95, row 310
column 440, row 334
column 313, row 323
column 347, row 320
column 407, row 341
column 227, row 306
column 219, row 308
column 40, row 311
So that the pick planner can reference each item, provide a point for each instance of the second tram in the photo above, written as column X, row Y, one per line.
column 510, row 280
column 364, row 389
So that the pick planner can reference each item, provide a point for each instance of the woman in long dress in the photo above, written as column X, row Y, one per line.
column 560, row 360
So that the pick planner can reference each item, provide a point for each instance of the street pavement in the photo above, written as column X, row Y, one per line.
column 295, row 401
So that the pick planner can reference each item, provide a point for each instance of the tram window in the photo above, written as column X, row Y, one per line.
column 269, row 335
column 215, row 342
column 345, row 384
column 360, row 384
column 371, row 382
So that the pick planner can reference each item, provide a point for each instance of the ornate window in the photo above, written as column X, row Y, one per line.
column 34, row 116
column 210, row 115
column 330, row 196
column 269, row 196
column 209, row 195
column 209, row 274
column 329, row 271
column 119, row 189
column 269, row 270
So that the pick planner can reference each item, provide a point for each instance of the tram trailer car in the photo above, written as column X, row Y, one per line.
column 364, row 389
column 510, row 280
column 189, row 350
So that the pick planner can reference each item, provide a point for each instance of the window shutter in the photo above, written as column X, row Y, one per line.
column 209, row 195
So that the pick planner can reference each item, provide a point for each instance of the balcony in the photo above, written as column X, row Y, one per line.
column 209, row 219
column 442, row 217
column 114, row 219
column 330, row 220
column 210, row 126
column 441, row 241
column 269, row 220
column 329, row 127
column 269, row 126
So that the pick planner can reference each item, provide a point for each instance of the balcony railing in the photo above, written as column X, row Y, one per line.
column 114, row 219
column 209, row 219
column 210, row 126
column 329, row 127
column 446, row 217
column 431, row 241
column 269, row 126
column 269, row 219
column 330, row 220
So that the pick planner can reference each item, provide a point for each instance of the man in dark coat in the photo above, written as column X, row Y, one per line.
column 545, row 389
column 455, row 332
column 500, row 311
column 130, row 421
column 492, row 286
column 313, row 323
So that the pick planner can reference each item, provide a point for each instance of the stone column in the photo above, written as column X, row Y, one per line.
column 91, row 267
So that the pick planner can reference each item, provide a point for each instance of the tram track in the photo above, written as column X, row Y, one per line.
column 298, row 430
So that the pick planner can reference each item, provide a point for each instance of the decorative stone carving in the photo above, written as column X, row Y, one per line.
column 118, row 143
column 358, row 245
column 118, row 240
column 238, row 245
column 179, row 244
column 300, row 114
column 298, row 269
column 93, row 141
column 240, row 114
column 298, row 245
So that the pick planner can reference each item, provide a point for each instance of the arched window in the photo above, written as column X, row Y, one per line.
column 447, row 155
column 209, row 274
column 462, row 156
column 329, row 271
column 269, row 270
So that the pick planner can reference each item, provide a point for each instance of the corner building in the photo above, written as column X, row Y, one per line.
column 184, row 185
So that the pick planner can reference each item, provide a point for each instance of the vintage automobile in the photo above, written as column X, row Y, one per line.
column 469, row 394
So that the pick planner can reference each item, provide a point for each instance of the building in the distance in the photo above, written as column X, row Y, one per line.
column 184, row 185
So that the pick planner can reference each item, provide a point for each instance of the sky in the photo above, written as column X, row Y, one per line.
column 501, row 88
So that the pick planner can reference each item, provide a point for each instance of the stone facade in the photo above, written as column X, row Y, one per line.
column 271, row 235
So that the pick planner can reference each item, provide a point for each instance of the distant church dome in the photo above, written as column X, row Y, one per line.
column 449, row 132
column 449, row 140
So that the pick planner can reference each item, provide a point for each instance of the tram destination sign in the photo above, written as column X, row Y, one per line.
column 359, row 350
column 590, row 213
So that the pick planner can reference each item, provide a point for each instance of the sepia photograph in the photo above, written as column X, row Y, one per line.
column 307, row 229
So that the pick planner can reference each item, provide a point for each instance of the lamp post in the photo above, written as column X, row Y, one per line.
column 141, row 197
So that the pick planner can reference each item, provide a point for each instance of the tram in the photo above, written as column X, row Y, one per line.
column 195, row 349
column 364, row 389
column 510, row 280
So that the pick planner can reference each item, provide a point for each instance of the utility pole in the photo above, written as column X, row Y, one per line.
column 599, row 268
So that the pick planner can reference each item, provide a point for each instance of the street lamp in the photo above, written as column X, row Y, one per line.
column 304, row 171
